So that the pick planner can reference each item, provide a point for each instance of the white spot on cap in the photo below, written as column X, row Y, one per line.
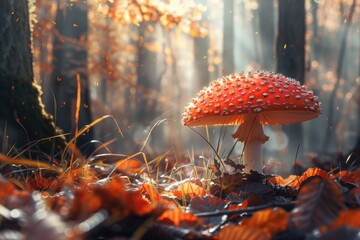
column 251, row 97
column 217, row 105
column 265, row 94
column 257, row 110
column 297, row 96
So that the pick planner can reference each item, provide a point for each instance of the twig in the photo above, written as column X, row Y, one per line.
column 245, row 210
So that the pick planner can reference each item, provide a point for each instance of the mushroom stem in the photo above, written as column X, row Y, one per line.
column 251, row 133
column 253, row 157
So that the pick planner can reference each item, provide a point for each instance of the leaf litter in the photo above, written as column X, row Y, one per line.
column 116, row 196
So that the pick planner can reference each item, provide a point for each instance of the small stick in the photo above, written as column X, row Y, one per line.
column 245, row 210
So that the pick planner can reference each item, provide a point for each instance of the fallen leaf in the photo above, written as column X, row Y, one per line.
column 348, row 218
column 310, row 172
column 318, row 203
column 208, row 203
column 270, row 221
column 151, row 192
column 241, row 233
column 189, row 189
column 178, row 218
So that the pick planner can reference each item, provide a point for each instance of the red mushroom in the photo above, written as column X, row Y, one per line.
column 251, row 100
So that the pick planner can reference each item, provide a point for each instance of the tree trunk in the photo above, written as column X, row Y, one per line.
column 290, row 50
column 332, row 123
column 70, row 59
column 22, row 115
column 228, row 37
column 267, row 34
column 146, row 110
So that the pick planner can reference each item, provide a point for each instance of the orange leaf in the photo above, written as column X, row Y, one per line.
column 41, row 183
column 178, row 218
column 190, row 189
column 279, row 180
column 351, row 177
column 311, row 172
column 151, row 192
column 130, row 166
column 241, row 233
column 348, row 218
column 270, row 221
column 111, row 196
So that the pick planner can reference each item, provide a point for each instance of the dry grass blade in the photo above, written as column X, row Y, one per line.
column 77, row 114
column 30, row 163
column 318, row 203
column 85, row 129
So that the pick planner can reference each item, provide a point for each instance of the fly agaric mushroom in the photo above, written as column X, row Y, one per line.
column 251, row 100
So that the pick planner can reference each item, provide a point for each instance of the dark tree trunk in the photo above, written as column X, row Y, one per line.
column 22, row 115
column 228, row 37
column 70, row 59
column 267, row 34
column 290, row 53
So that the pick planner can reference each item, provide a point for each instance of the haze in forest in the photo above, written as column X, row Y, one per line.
column 143, row 61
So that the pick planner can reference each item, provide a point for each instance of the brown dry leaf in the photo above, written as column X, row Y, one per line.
column 349, row 218
column 241, row 233
column 207, row 203
column 354, row 197
column 270, row 221
column 178, row 218
column 318, row 203
column 189, row 189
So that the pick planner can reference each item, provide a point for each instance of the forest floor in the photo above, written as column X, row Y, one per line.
column 112, row 196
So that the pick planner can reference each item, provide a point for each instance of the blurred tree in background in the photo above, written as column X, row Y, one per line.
column 25, row 127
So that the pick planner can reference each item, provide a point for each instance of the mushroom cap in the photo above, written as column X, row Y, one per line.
column 233, row 98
